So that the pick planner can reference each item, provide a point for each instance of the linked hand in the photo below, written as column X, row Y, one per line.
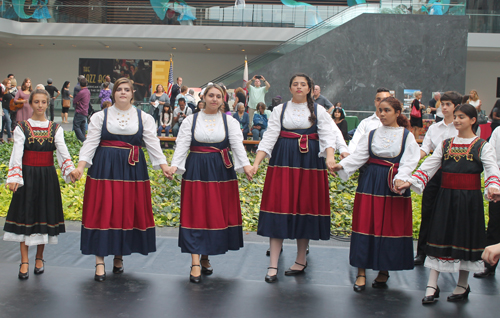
column 344, row 155
column 249, row 171
column 491, row 254
column 13, row 186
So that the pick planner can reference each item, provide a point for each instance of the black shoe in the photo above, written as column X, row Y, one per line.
column 40, row 270
column 293, row 272
column 419, row 260
column 194, row 279
column 358, row 288
column 271, row 278
column 377, row 284
column 23, row 275
column 268, row 252
column 206, row 270
column 432, row 298
column 100, row 278
column 117, row 270
column 459, row 297
column 488, row 271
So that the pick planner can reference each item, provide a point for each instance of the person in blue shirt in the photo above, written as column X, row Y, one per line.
column 259, row 122
column 243, row 119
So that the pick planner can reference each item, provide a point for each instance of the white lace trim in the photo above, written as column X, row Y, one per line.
column 453, row 265
column 30, row 240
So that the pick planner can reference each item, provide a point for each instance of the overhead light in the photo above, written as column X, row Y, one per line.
column 208, row 49
column 40, row 44
column 73, row 45
column 174, row 48
column 140, row 47
column 242, row 50
column 107, row 46
column 9, row 43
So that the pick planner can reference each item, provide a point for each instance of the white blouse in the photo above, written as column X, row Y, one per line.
column 297, row 117
column 432, row 164
column 123, row 123
column 209, row 129
column 386, row 143
column 435, row 135
column 15, row 174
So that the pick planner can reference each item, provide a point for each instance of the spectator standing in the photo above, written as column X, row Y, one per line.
column 176, row 89
column 182, row 94
column 434, row 106
column 107, row 79
column 6, row 120
column 321, row 100
column 474, row 100
column 190, row 100
column 240, row 97
column 77, row 87
column 416, row 121
column 105, row 94
column 180, row 113
column 52, row 90
column 13, row 92
column 66, row 102
column 23, row 96
column 495, row 116
column 157, row 100
column 256, row 93
column 81, row 102
column 339, row 119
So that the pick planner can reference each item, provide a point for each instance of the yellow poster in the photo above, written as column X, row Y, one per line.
column 159, row 75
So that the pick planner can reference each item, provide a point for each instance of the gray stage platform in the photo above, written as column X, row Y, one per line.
column 158, row 286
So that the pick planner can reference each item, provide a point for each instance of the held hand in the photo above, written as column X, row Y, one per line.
column 399, row 186
column 344, row 155
column 491, row 254
column 13, row 186
column 74, row 175
column 493, row 194
column 166, row 171
column 173, row 170
column 337, row 167
column 255, row 169
column 330, row 164
column 249, row 171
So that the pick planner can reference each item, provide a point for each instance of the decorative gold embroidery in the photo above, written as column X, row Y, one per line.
column 40, row 135
column 459, row 151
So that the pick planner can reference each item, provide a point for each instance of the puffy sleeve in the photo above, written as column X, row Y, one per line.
column 236, row 141
column 491, row 172
column 272, row 133
column 360, row 131
column 15, row 174
column 63, row 156
column 427, row 170
column 330, row 135
column 182, row 144
column 152, row 142
column 409, row 159
column 90, row 145
column 358, row 158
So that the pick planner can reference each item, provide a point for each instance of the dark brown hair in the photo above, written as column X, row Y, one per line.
column 452, row 96
column 119, row 82
column 469, row 111
column 24, row 87
column 310, row 101
column 402, row 120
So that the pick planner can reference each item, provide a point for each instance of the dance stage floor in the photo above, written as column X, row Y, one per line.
column 158, row 285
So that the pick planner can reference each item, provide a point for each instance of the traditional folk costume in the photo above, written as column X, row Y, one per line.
column 433, row 139
column 457, row 238
column 295, row 200
column 211, row 220
column 117, row 216
column 36, row 214
column 382, row 220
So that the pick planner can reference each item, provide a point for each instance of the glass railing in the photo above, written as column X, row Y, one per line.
column 173, row 13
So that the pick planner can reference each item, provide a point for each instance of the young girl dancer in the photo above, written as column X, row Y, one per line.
column 295, row 201
column 457, row 238
column 211, row 221
column 382, row 219
column 117, row 217
column 35, row 214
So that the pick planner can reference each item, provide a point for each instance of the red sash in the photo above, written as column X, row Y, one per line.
column 224, row 153
column 303, row 139
column 38, row 158
column 133, row 156
column 461, row 181
column 392, row 171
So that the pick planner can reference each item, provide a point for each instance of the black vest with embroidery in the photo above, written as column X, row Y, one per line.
column 462, row 158
column 39, row 139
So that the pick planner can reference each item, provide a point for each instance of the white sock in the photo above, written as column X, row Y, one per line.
column 463, row 280
column 433, row 278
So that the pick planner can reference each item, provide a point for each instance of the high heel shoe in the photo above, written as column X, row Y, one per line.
column 271, row 278
column 358, row 288
column 293, row 272
column 431, row 298
column 377, row 284
column 194, row 279
column 460, row 297
column 206, row 270
column 100, row 278
column 117, row 270
column 22, row 275
column 40, row 270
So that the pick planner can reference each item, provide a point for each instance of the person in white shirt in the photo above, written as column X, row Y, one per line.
column 211, row 222
column 370, row 123
column 256, row 94
column 180, row 113
column 493, row 231
column 433, row 139
column 382, row 217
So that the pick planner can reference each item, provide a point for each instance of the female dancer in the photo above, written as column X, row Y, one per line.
column 456, row 237
column 382, row 219
column 35, row 214
column 117, row 217
column 298, row 138
column 211, row 221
